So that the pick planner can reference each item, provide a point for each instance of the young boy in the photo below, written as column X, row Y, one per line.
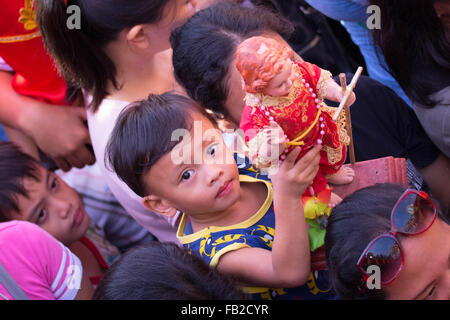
column 29, row 192
column 229, row 220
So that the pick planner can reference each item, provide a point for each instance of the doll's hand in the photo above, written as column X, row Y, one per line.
column 274, row 145
column 351, row 99
column 334, row 93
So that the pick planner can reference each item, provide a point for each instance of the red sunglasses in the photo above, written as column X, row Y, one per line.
column 413, row 214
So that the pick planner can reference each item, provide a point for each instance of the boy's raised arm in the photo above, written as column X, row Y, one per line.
column 288, row 264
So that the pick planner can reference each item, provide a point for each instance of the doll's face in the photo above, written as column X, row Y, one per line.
column 281, row 83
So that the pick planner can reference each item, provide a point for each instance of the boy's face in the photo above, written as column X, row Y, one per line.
column 54, row 206
column 281, row 83
column 205, row 182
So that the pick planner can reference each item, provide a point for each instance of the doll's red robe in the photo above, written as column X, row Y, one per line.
column 297, row 114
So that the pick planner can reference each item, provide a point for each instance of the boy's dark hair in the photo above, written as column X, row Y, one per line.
column 143, row 134
column 79, row 53
column 15, row 166
column 164, row 271
column 205, row 45
column 356, row 221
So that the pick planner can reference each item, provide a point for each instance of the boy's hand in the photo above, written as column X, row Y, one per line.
column 292, row 179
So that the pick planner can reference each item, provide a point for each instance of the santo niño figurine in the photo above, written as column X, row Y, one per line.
column 284, row 108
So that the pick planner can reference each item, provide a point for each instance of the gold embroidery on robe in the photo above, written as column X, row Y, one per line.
column 334, row 155
column 28, row 16
column 322, row 84
column 28, row 19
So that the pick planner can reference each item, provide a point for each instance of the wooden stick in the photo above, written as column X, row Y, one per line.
column 343, row 80
column 348, row 93
column 348, row 120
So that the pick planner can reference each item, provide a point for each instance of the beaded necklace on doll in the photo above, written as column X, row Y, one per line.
column 266, row 110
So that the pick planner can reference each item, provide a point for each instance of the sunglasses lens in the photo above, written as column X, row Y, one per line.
column 413, row 214
column 384, row 253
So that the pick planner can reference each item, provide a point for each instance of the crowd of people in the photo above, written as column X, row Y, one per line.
column 94, row 205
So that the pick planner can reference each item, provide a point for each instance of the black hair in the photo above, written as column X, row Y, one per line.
column 356, row 221
column 79, row 53
column 164, row 271
column 15, row 166
column 414, row 44
column 205, row 45
column 143, row 134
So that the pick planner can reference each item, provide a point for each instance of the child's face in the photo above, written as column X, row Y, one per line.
column 281, row 83
column 54, row 206
column 205, row 182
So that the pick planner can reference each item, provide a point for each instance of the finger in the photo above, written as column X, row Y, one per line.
column 80, row 112
column 85, row 156
column 291, row 157
column 310, row 173
column 62, row 164
column 87, row 140
column 311, row 156
column 85, row 136
column 309, row 161
column 351, row 100
column 308, row 170
column 74, row 162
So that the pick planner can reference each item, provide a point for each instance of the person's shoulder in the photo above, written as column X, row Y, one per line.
column 19, row 228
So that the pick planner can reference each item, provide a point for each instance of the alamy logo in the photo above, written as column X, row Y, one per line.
column 374, row 280
column 182, row 152
column 74, row 278
column 74, row 20
column 374, row 20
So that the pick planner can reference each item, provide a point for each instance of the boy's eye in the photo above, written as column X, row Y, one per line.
column 54, row 184
column 211, row 151
column 187, row 175
column 431, row 293
column 41, row 216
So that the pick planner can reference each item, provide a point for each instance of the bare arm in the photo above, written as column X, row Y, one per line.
column 288, row 264
column 86, row 290
column 24, row 142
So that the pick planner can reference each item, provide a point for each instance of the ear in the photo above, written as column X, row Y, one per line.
column 138, row 37
column 159, row 205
